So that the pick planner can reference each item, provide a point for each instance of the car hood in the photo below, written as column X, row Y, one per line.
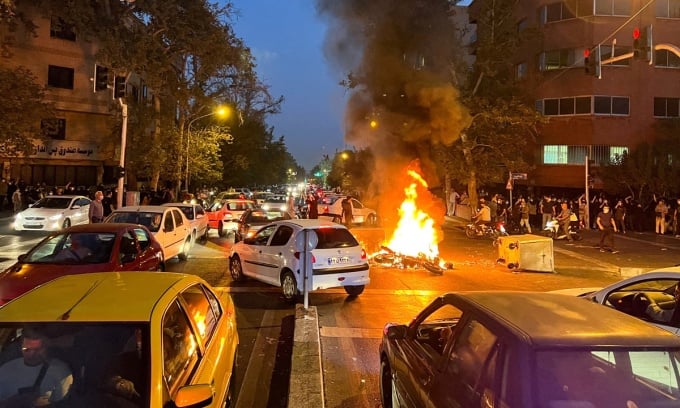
column 42, row 212
column 20, row 278
column 578, row 292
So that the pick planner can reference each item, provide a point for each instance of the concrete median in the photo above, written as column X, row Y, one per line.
column 306, row 374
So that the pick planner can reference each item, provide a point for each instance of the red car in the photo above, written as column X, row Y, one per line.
column 81, row 249
column 223, row 215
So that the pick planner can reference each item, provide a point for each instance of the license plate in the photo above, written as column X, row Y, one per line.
column 338, row 260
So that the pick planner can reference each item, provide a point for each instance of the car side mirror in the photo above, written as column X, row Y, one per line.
column 21, row 257
column 249, row 241
column 396, row 332
column 198, row 395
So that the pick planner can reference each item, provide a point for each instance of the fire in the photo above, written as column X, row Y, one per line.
column 416, row 233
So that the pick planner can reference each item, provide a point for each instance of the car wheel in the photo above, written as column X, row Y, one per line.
column 354, row 290
column 184, row 253
column 289, row 286
column 204, row 237
column 66, row 224
column 386, row 385
column 235, row 268
column 220, row 230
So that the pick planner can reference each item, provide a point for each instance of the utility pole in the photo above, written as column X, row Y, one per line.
column 121, row 163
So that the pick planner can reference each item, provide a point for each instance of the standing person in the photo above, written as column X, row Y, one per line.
column 312, row 206
column 290, row 204
column 96, row 212
column 17, row 200
column 3, row 193
column 11, row 188
column 660, row 212
column 605, row 223
column 620, row 216
column 524, row 216
column 533, row 211
column 546, row 209
column 676, row 219
column 107, row 203
column 582, row 206
column 452, row 201
column 347, row 211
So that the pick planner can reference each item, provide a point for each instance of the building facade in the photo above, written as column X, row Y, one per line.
column 596, row 111
column 81, row 147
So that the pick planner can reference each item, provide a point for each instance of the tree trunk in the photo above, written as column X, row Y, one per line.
column 472, row 177
column 156, row 171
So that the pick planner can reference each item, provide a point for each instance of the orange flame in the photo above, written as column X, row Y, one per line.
column 416, row 233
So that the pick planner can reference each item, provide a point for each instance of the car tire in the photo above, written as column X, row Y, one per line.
column 289, row 286
column 355, row 290
column 66, row 224
column 220, row 230
column 184, row 253
column 386, row 385
column 204, row 237
column 235, row 268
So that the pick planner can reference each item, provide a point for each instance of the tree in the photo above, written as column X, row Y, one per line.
column 22, row 105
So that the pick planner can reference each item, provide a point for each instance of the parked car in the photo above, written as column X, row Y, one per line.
column 271, row 256
column 131, row 339
column 331, row 206
column 82, row 249
column 254, row 219
column 223, row 215
column 168, row 225
column 198, row 220
column 524, row 349
column 275, row 202
column 633, row 295
column 53, row 213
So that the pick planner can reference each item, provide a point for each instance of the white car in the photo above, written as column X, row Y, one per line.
column 197, row 219
column 331, row 206
column 632, row 295
column 53, row 213
column 169, row 226
column 271, row 256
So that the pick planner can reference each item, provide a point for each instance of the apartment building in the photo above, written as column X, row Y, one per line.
column 609, row 109
column 81, row 147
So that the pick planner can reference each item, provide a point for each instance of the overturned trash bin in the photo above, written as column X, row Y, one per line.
column 526, row 252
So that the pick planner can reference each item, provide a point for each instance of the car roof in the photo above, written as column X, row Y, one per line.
column 311, row 223
column 99, row 227
column 554, row 320
column 142, row 208
column 92, row 296
column 178, row 205
column 66, row 196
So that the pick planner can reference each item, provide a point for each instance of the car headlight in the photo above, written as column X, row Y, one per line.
column 18, row 216
column 284, row 208
column 265, row 207
column 56, row 217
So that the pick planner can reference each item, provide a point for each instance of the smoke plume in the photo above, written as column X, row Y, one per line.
column 396, row 58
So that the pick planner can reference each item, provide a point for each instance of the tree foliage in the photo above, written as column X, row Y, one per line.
column 21, row 108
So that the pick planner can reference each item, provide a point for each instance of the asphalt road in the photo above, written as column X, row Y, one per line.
column 350, row 328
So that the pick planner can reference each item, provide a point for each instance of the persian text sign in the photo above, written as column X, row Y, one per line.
column 63, row 149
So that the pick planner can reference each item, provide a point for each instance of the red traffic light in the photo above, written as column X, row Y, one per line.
column 586, row 53
column 636, row 33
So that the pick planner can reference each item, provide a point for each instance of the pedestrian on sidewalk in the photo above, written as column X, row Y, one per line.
column 17, row 201
column 96, row 211
column 620, row 216
column 3, row 194
column 606, row 223
column 660, row 212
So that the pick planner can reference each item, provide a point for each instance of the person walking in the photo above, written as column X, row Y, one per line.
column 96, row 212
column 17, row 201
column 347, row 211
column 524, row 216
column 312, row 206
column 660, row 212
column 605, row 223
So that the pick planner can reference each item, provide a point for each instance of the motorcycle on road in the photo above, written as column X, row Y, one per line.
column 552, row 229
column 490, row 230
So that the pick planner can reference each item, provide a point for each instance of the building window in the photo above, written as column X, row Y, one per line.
column 54, row 128
column 576, row 154
column 612, row 7
column 566, row 10
column 557, row 59
column 667, row 59
column 583, row 105
column 60, row 77
column 666, row 107
column 521, row 70
column 606, row 53
column 611, row 105
column 60, row 29
column 668, row 8
column 580, row 105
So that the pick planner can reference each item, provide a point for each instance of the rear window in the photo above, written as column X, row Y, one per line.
column 335, row 238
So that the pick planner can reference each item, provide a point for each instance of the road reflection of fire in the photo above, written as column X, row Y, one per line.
column 414, row 242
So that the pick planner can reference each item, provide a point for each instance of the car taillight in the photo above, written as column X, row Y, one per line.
column 363, row 253
column 297, row 256
column 326, row 210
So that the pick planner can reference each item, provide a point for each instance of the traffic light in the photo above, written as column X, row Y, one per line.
column 119, row 87
column 591, row 61
column 586, row 61
column 101, row 78
column 120, row 171
column 643, row 47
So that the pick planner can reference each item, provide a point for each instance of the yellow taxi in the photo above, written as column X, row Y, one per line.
column 146, row 339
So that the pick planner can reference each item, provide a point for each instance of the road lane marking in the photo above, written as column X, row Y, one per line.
column 350, row 332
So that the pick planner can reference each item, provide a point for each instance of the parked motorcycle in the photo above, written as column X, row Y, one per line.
column 491, row 230
column 553, row 230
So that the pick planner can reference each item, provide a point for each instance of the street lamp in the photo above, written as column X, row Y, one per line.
column 221, row 111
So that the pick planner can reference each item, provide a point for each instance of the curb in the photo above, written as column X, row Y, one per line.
column 306, row 373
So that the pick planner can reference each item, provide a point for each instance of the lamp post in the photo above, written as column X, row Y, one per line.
column 222, row 111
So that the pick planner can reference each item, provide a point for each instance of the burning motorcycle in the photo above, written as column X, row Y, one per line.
column 490, row 230
column 552, row 229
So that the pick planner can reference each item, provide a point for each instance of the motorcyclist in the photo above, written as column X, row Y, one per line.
column 482, row 217
column 564, row 218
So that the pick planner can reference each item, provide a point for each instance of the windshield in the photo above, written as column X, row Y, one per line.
column 52, row 202
column 607, row 378
column 73, row 248
column 151, row 220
